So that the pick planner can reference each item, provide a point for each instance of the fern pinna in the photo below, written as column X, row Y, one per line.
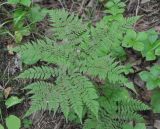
column 74, row 57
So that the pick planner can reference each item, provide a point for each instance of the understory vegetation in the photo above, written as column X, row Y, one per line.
column 81, row 68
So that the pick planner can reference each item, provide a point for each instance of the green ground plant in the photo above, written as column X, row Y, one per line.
column 145, row 42
column 152, row 80
column 23, row 18
column 151, row 77
column 12, row 122
column 152, row 46
column 76, row 56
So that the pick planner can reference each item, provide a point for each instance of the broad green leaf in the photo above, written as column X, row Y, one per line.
column 151, row 84
column 152, row 36
column 13, row 1
column 13, row 122
column 25, row 2
column 139, row 46
column 150, row 56
column 155, row 101
column 142, row 36
column 144, row 75
column 155, row 70
column 131, row 34
column 1, row 127
column 13, row 100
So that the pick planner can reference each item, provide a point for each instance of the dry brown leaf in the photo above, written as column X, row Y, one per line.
column 9, row 47
column 7, row 92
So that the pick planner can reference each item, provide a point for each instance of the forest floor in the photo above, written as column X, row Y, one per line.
column 89, row 10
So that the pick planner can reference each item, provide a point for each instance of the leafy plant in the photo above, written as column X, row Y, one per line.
column 116, row 109
column 115, row 7
column 24, row 18
column 12, row 122
column 155, row 101
column 151, row 77
column 110, row 39
column 153, row 83
column 27, row 123
column 145, row 42
column 75, row 56
column 135, row 40
column 13, row 100
column 152, row 46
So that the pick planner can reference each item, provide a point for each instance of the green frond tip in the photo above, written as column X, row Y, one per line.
column 43, row 72
column 67, row 26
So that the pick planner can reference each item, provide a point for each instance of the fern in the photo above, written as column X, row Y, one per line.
column 48, row 96
column 115, row 111
column 43, row 72
column 67, row 27
column 75, row 56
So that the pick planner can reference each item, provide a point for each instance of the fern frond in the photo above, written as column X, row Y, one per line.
column 105, row 67
column 43, row 72
column 62, row 95
column 67, row 27
column 35, row 51
column 80, row 53
column 44, row 96
column 113, row 115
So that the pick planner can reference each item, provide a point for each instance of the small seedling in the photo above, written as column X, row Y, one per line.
column 27, row 123
column 115, row 7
